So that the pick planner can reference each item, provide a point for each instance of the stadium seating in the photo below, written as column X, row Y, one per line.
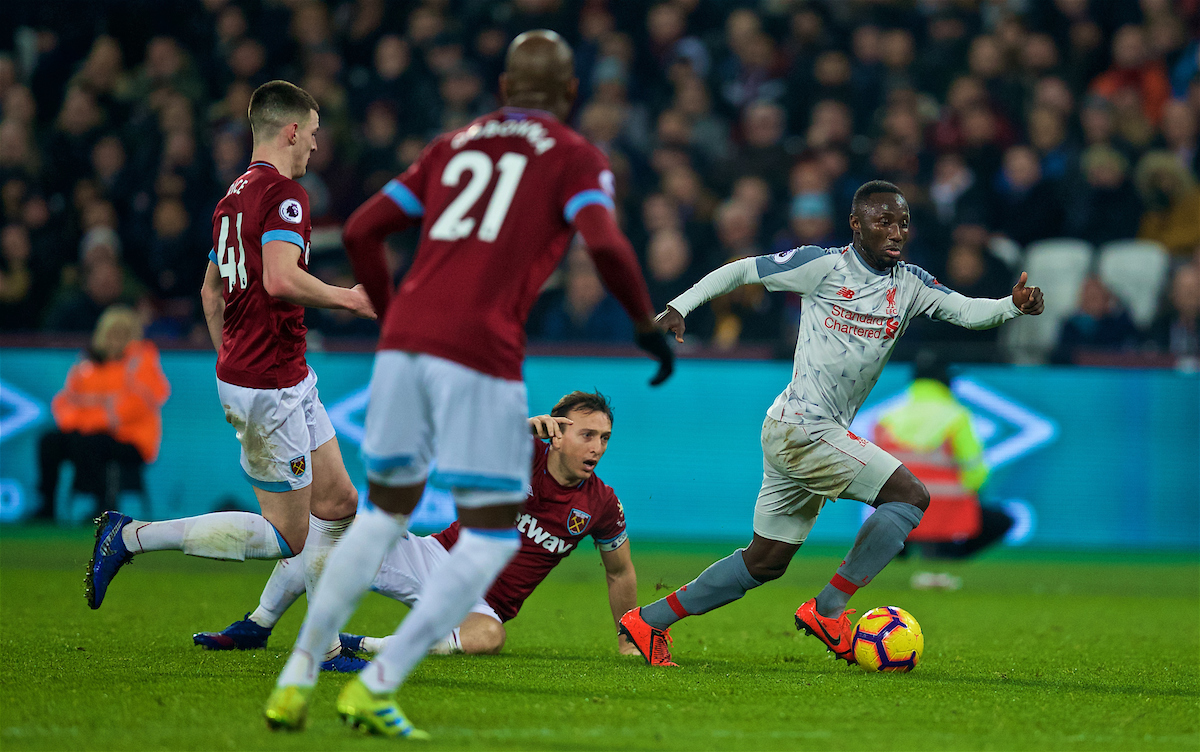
column 1135, row 270
column 1058, row 266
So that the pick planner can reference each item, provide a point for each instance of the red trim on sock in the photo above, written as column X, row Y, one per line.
column 676, row 606
column 841, row 583
column 137, row 534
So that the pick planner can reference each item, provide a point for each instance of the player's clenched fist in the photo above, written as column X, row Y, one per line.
column 671, row 320
column 1027, row 299
column 359, row 304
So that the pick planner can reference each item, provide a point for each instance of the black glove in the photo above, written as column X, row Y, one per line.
column 654, row 343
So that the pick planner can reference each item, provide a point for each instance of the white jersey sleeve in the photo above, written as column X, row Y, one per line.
column 798, row 270
column 937, row 301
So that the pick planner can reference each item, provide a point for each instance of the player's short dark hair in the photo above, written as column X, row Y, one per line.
column 588, row 402
column 277, row 103
column 872, row 187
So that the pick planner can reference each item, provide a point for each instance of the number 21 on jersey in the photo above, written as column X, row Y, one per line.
column 231, row 261
column 453, row 224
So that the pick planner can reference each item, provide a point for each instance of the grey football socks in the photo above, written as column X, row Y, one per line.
column 879, row 539
column 723, row 582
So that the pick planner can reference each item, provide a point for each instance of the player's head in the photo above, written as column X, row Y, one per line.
column 539, row 73
column 879, row 218
column 585, row 441
column 284, row 116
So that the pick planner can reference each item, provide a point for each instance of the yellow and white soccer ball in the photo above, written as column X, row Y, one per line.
column 887, row 639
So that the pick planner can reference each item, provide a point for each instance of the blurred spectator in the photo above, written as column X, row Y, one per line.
column 104, row 283
column 747, row 314
column 1134, row 68
column 108, row 416
column 1025, row 207
column 1172, row 200
column 1101, row 323
column 17, row 312
column 585, row 312
column 1177, row 329
column 1107, row 206
column 1179, row 132
column 957, row 196
column 810, row 223
column 668, row 267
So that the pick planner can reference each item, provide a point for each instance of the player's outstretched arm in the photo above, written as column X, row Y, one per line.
column 284, row 279
column 622, row 590
column 363, row 237
column 716, row 283
column 976, row 313
column 214, row 304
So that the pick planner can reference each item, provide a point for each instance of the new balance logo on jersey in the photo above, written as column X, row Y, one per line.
column 528, row 524
column 846, row 293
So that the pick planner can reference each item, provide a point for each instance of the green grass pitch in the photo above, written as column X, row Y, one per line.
column 1037, row 651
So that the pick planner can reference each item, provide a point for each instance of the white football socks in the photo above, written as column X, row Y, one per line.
column 323, row 535
column 445, row 600
column 349, row 571
column 285, row 585
column 234, row 536
column 445, row 646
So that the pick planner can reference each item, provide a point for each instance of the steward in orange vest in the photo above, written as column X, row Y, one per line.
column 109, row 411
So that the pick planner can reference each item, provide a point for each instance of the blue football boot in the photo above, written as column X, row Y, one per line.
column 351, row 642
column 345, row 662
column 108, row 556
column 240, row 635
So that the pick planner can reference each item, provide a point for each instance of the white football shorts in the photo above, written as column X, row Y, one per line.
column 278, row 430
column 803, row 465
column 473, row 427
column 406, row 567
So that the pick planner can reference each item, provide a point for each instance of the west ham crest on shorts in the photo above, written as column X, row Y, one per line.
column 578, row 521
column 298, row 466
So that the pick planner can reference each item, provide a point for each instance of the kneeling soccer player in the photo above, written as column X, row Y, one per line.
column 857, row 301
column 566, row 502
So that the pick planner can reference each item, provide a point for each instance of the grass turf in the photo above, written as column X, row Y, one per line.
column 1037, row 651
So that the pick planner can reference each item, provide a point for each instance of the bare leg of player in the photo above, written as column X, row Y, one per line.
column 478, row 634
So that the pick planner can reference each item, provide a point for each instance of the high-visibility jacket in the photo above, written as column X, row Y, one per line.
column 931, row 434
column 122, row 398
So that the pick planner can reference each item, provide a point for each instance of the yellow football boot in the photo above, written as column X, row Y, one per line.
column 287, row 708
column 374, row 714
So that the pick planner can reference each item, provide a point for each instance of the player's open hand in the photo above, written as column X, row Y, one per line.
column 359, row 304
column 671, row 320
column 1028, row 299
column 548, row 426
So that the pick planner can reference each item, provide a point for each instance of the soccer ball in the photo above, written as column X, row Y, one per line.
column 887, row 639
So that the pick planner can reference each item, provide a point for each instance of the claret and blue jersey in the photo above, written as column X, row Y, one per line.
column 263, row 341
column 497, row 199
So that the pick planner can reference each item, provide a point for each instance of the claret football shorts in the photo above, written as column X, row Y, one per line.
column 803, row 465
column 470, row 426
column 278, row 430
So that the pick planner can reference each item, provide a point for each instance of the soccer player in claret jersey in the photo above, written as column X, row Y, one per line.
column 500, row 200
column 856, row 301
column 255, row 290
column 567, row 502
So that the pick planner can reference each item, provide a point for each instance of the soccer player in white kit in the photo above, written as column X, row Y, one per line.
column 856, row 301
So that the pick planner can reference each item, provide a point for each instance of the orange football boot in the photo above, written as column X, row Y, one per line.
column 652, row 643
column 835, row 633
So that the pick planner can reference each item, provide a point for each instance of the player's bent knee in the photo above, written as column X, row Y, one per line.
column 483, row 636
column 920, row 495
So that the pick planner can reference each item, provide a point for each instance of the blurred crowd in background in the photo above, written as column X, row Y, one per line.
column 733, row 128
